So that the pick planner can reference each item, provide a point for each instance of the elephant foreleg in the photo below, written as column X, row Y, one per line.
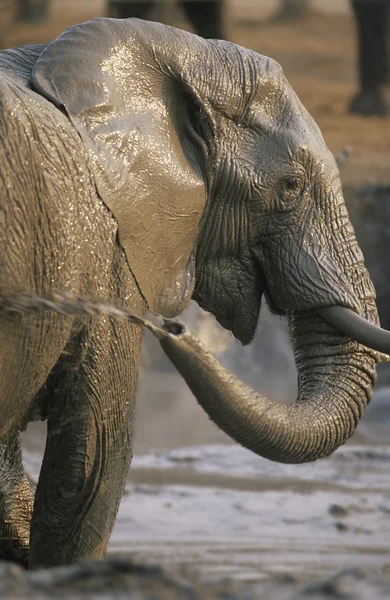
column 125, row 10
column 205, row 17
column 88, row 448
column 15, row 501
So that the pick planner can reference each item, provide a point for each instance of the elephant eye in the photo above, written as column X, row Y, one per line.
column 291, row 187
column 292, row 184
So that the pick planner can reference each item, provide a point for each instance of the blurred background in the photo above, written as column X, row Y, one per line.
column 336, row 55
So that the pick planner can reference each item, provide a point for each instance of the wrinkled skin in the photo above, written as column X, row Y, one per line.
column 71, row 367
column 160, row 167
column 369, row 209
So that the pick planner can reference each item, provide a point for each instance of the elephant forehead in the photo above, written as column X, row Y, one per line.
column 277, row 112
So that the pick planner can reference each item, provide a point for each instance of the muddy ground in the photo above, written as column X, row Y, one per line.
column 194, row 498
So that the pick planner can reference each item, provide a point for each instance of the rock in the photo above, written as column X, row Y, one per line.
column 342, row 527
column 337, row 511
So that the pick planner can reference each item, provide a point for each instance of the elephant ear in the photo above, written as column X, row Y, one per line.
column 136, row 122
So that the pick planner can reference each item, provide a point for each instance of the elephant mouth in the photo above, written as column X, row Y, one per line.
column 272, row 305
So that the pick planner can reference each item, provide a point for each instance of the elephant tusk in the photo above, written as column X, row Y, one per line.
column 349, row 323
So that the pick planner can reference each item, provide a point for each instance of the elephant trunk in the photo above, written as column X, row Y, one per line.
column 335, row 380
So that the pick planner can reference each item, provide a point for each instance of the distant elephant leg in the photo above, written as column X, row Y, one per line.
column 205, row 17
column 89, row 446
column 373, row 29
column 16, row 501
column 125, row 10
column 33, row 11
column 292, row 10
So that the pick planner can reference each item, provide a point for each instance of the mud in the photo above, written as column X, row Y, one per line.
column 230, row 520
column 120, row 578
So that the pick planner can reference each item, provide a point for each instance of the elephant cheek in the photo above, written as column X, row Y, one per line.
column 306, row 278
column 232, row 291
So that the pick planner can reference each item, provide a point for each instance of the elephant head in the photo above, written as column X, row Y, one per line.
column 224, row 189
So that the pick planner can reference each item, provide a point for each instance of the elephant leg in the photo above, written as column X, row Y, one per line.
column 16, row 501
column 292, row 10
column 33, row 11
column 373, row 30
column 205, row 17
column 125, row 10
column 88, row 447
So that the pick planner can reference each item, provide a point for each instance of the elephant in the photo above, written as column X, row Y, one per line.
column 28, row 11
column 373, row 36
column 33, row 11
column 205, row 16
column 292, row 10
column 144, row 166
column 7, row 16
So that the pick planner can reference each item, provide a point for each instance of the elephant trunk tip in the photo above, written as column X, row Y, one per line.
column 176, row 328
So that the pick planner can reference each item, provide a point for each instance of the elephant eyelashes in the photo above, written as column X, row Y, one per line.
column 291, row 188
column 293, row 184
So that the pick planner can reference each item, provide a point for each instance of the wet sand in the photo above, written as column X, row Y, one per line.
column 248, row 518
column 227, row 514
